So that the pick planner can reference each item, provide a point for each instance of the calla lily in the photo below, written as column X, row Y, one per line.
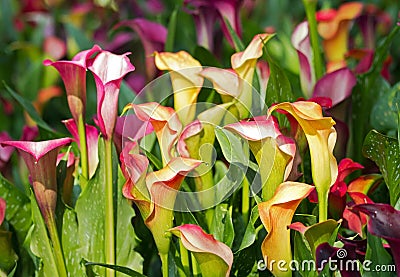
column 276, row 214
column 334, row 27
column 5, row 151
column 130, row 128
column 273, row 151
column 186, row 81
column 40, row 158
column 29, row 132
column 205, row 14
column 214, row 257
column 73, row 74
column 92, row 137
column 108, row 70
column 321, row 137
column 384, row 222
column 153, row 37
column 301, row 42
column 165, row 123
column 244, row 64
column 2, row 210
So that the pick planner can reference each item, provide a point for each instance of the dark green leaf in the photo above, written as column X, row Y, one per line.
column 27, row 106
column 205, row 57
column 377, row 254
column 8, row 258
column 250, row 233
column 125, row 270
column 385, row 152
column 302, row 254
column 169, row 44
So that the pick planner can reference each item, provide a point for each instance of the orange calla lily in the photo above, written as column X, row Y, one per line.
column 186, row 81
column 276, row 214
column 214, row 257
column 334, row 28
column 244, row 64
column 321, row 137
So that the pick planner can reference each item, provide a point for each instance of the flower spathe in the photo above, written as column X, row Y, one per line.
column 213, row 256
column 40, row 158
column 73, row 74
column 2, row 210
column 321, row 138
column 276, row 215
column 108, row 70
column 186, row 81
column 334, row 27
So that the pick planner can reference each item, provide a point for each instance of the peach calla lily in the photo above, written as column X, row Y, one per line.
column 186, row 81
column 214, row 257
column 244, row 64
column 165, row 123
column 273, row 151
column 321, row 137
column 334, row 28
column 276, row 214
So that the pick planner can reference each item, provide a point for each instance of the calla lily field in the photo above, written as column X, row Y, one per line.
column 199, row 138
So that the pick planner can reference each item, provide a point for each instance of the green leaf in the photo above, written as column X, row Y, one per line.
column 278, row 88
column 239, row 46
column 384, row 114
column 169, row 44
column 8, row 258
column 27, row 106
column 124, row 270
column 205, row 57
column 18, row 208
column 71, row 245
column 302, row 252
column 385, row 152
column 250, row 234
column 40, row 243
column 125, row 234
column 320, row 233
column 77, row 39
column 378, row 256
column 222, row 227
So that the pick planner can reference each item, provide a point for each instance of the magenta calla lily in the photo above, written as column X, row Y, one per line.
column 73, row 74
column 273, row 151
column 40, row 158
column 384, row 222
column 92, row 137
column 2, row 210
column 214, row 257
column 153, row 37
column 108, row 70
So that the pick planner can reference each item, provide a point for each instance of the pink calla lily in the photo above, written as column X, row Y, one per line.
column 334, row 27
column 108, row 70
column 40, row 158
column 165, row 123
column 153, row 37
column 321, row 138
column 276, row 214
column 73, row 74
column 5, row 151
column 214, row 257
column 92, row 137
column 273, row 151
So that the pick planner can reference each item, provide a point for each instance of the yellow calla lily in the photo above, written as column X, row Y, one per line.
column 321, row 137
column 186, row 81
column 335, row 33
column 244, row 64
column 276, row 214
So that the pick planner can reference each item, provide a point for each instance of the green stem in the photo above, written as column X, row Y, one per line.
column 322, row 206
column 195, row 267
column 184, row 258
column 245, row 199
column 164, row 264
column 109, row 209
column 58, row 252
column 83, row 147
column 202, row 183
column 310, row 7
